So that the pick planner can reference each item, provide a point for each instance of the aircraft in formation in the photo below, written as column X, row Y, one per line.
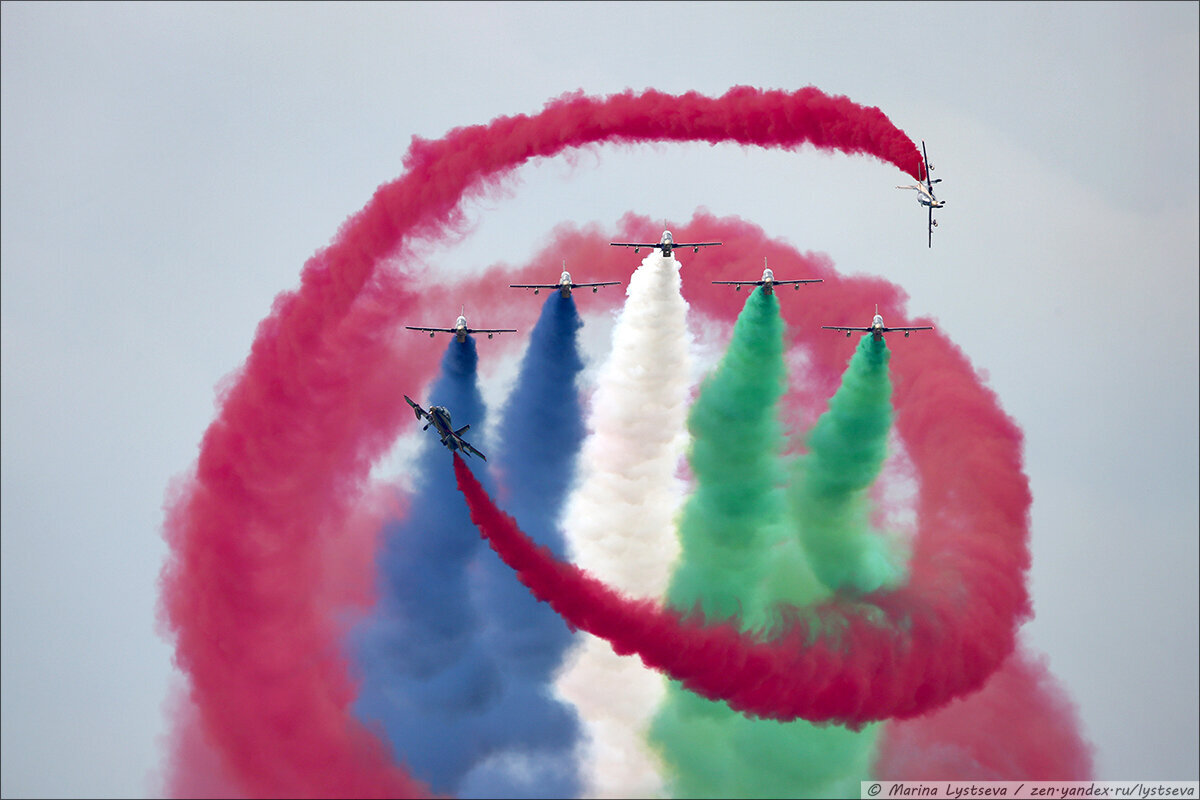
column 768, row 281
column 439, row 418
column 460, row 329
column 925, row 194
column 877, row 329
column 564, row 285
column 667, row 243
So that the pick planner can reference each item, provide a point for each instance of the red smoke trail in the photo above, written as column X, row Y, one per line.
column 194, row 767
column 315, row 405
column 1019, row 726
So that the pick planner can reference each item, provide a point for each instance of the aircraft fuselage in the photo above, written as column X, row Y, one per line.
column 768, row 282
column 666, row 244
column 439, row 417
column 877, row 327
column 926, row 199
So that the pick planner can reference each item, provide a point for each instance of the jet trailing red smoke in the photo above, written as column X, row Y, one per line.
column 299, row 425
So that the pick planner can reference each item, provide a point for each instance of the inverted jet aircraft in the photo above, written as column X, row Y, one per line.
column 925, row 194
column 439, row 418
column 460, row 329
column 667, row 243
column 564, row 285
column 767, row 282
column 877, row 329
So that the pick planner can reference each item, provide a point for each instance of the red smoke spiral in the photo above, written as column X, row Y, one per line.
column 283, row 464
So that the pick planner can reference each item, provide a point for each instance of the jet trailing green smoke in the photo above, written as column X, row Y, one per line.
column 738, row 505
column 757, row 534
column 846, row 451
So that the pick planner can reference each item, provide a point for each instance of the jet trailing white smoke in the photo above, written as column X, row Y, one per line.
column 620, row 520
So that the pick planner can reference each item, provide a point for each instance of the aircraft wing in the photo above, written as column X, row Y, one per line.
column 921, row 328
column 741, row 283
column 931, row 226
column 929, row 179
column 416, row 407
column 633, row 244
column 490, row 330
column 842, row 328
column 696, row 244
column 469, row 449
column 601, row 283
column 537, row 285
column 805, row 280
column 430, row 330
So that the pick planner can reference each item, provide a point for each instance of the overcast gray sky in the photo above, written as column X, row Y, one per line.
column 167, row 169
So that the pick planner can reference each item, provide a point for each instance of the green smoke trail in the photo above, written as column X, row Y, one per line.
column 738, row 502
column 740, row 555
column 846, row 451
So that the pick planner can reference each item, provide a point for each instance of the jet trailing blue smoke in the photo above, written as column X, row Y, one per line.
column 427, row 675
column 457, row 658
column 539, row 437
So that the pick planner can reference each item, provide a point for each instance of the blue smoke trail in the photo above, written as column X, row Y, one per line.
column 539, row 438
column 426, row 675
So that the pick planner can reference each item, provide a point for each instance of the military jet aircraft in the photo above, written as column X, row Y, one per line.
column 564, row 285
column 460, row 329
column 877, row 329
column 768, row 281
column 439, row 418
column 667, row 243
column 925, row 194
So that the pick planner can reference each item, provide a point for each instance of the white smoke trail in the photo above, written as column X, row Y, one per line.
column 620, row 521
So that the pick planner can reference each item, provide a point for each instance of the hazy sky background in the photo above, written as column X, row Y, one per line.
column 167, row 169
